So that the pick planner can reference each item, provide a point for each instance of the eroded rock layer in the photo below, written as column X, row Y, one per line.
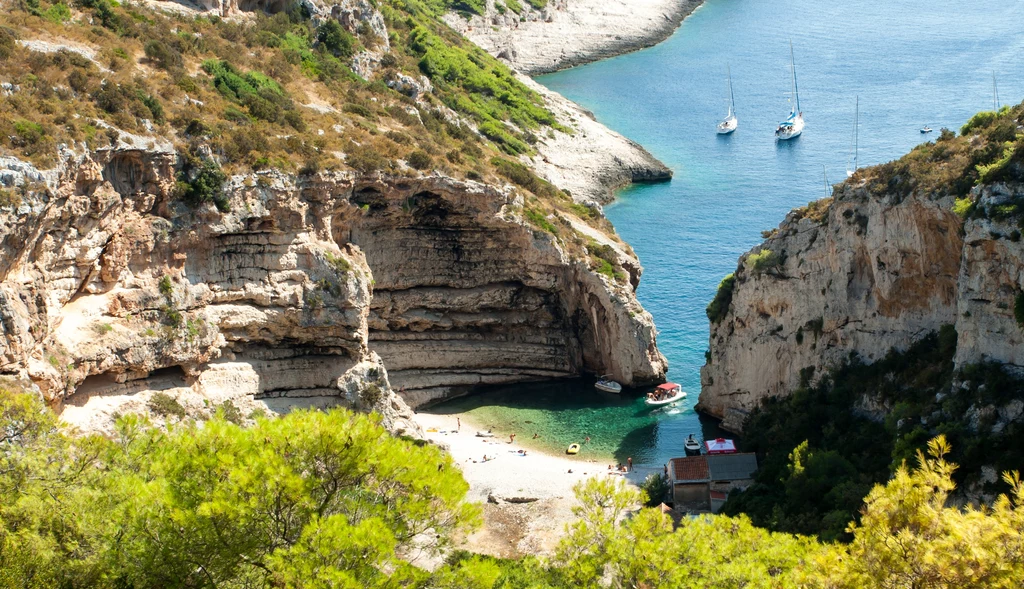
column 860, row 276
column 112, row 291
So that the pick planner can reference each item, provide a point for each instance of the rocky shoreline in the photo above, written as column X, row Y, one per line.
column 567, row 33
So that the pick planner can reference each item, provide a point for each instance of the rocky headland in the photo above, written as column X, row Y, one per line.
column 898, row 252
column 565, row 33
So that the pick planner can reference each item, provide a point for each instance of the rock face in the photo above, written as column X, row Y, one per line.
column 571, row 32
column 862, row 275
column 112, row 290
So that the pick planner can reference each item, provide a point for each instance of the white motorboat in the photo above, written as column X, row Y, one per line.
column 608, row 386
column 926, row 129
column 793, row 126
column 730, row 122
column 853, row 151
column 665, row 394
column 692, row 446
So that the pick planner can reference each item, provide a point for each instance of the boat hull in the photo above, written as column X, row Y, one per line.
column 791, row 131
column 609, row 387
column 692, row 450
column 672, row 399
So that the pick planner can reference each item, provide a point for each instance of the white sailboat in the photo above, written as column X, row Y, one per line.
column 729, row 123
column 856, row 128
column 793, row 126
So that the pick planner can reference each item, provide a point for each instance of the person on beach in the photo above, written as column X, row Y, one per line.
column 587, row 441
column 629, row 464
column 535, row 436
column 458, row 424
column 512, row 439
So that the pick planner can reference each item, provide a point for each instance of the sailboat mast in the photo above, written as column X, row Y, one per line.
column 732, row 99
column 824, row 176
column 995, row 92
column 856, row 131
column 796, row 90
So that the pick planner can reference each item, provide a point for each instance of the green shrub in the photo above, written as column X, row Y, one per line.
column 335, row 39
column 719, row 306
column 339, row 263
column 420, row 160
column 9, row 198
column 230, row 412
column 963, row 207
column 656, row 487
column 58, row 13
column 763, row 260
column 7, row 43
column 166, row 406
column 522, row 176
column 514, row 6
column 163, row 55
column 201, row 181
column 359, row 109
column 539, row 219
column 979, row 121
column 28, row 132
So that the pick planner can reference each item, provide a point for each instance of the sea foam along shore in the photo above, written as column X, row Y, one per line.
column 566, row 33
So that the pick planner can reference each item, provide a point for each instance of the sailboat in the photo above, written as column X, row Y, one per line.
column 729, row 123
column 856, row 128
column 794, row 123
column 828, row 187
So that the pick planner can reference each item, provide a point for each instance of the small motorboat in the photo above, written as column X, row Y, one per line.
column 926, row 129
column 484, row 434
column 692, row 446
column 669, row 392
column 573, row 449
column 607, row 385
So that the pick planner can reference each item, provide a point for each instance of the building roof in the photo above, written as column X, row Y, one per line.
column 732, row 467
column 692, row 469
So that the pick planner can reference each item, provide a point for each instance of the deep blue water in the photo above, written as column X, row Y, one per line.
column 911, row 63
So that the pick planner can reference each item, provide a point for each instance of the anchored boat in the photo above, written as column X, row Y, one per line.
column 793, row 126
column 669, row 392
column 729, row 123
column 692, row 446
column 607, row 385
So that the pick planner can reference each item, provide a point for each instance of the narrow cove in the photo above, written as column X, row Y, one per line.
column 726, row 190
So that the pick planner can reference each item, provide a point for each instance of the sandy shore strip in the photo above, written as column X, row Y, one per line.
column 509, row 475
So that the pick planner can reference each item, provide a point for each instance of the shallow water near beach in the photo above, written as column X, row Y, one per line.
column 912, row 64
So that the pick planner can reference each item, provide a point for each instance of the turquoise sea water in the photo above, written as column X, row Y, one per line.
column 912, row 63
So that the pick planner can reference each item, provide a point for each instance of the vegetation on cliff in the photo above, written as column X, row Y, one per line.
column 332, row 500
column 278, row 91
column 823, row 447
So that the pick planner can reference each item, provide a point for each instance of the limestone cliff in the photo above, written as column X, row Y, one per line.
column 879, row 266
column 112, row 289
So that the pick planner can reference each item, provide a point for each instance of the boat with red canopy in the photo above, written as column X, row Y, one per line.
column 664, row 394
